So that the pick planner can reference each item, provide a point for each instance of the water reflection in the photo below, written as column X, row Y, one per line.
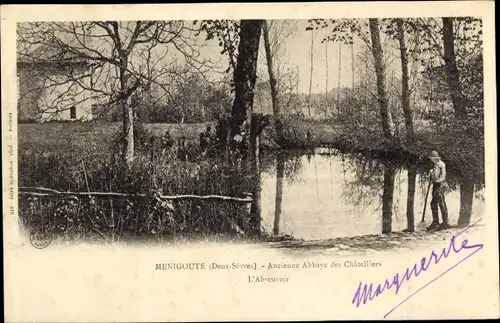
column 280, row 173
column 329, row 194
column 466, row 200
column 387, row 197
column 410, row 200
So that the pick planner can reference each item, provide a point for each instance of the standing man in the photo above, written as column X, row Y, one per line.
column 205, row 138
column 167, row 142
column 208, row 135
column 438, row 178
column 182, row 150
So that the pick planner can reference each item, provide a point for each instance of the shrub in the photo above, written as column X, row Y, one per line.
column 124, row 218
column 294, row 133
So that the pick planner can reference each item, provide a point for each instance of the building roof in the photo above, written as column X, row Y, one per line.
column 45, row 54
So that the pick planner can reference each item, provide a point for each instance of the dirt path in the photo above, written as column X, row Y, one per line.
column 369, row 243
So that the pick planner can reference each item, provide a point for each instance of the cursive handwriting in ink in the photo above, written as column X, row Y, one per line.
column 367, row 292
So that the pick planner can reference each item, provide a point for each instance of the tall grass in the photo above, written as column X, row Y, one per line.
column 88, row 166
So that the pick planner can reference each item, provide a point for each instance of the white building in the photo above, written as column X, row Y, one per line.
column 54, row 88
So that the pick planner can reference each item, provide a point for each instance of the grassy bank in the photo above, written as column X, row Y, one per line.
column 51, row 136
column 77, row 157
column 463, row 154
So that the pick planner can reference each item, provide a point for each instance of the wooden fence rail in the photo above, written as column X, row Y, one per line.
column 51, row 192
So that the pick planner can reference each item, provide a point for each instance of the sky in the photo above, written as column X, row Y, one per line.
column 297, row 56
column 299, row 53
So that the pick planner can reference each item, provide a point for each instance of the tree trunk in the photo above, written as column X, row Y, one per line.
column 431, row 99
column 378, row 56
column 258, row 123
column 338, row 84
column 405, row 88
column 352, row 62
column 245, row 76
column 272, row 81
column 410, row 202
column 326, row 79
column 280, row 174
column 255, row 206
column 387, row 198
column 128, row 117
column 311, row 76
column 130, row 132
column 466, row 199
column 297, row 82
column 366, row 81
column 452, row 74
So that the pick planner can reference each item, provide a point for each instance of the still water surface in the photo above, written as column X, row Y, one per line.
column 328, row 195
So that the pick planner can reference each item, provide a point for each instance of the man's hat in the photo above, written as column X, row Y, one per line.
column 434, row 155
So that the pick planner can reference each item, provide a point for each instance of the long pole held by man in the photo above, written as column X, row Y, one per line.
column 438, row 178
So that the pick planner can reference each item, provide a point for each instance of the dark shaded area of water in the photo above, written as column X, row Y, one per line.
column 325, row 194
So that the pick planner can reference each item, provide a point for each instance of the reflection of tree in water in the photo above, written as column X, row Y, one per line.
column 365, row 183
column 293, row 164
column 368, row 181
column 267, row 161
column 293, row 167
column 388, row 197
column 400, row 179
column 280, row 174
column 282, row 164
column 410, row 199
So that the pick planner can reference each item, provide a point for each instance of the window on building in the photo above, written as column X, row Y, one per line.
column 72, row 112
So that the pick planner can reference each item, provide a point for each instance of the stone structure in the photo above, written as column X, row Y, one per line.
column 54, row 88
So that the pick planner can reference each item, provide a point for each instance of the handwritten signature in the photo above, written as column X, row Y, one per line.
column 366, row 292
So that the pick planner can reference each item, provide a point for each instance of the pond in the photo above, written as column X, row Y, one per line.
column 324, row 194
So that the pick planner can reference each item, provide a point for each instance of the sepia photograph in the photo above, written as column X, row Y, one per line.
column 315, row 137
column 162, row 130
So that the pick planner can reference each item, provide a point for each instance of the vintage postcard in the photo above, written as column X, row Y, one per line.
column 249, row 162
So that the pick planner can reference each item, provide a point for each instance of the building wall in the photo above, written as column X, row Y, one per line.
column 45, row 94
column 29, row 90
